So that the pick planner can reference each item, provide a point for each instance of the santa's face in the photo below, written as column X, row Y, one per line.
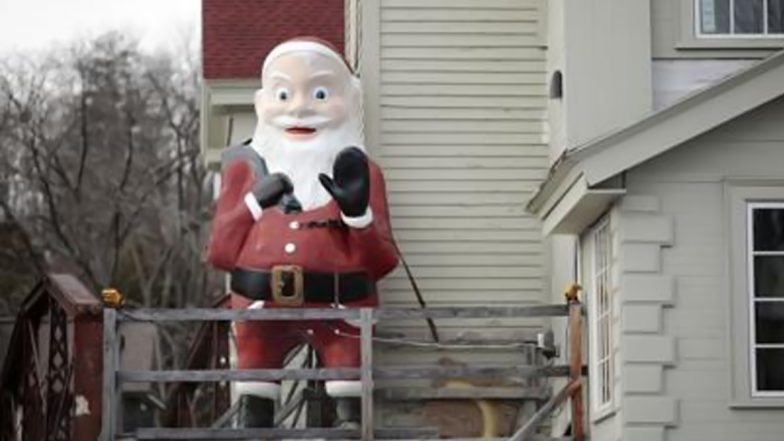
column 304, row 95
column 309, row 109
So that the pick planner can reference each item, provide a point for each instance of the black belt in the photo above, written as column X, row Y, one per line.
column 288, row 284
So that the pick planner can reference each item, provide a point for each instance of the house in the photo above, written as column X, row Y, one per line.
column 624, row 145
column 665, row 192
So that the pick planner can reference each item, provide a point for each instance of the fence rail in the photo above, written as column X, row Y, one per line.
column 367, row 373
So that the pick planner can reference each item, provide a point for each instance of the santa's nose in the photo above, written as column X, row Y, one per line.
column 300, row 107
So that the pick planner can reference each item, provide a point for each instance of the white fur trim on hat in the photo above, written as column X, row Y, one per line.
column 263, row 389
column 302, row 46
column 344, row 389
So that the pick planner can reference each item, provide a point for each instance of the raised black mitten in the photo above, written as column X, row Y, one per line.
column 350, row 182
column 269, row 189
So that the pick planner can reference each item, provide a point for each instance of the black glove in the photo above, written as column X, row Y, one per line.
column 351, row 185
column 269, row 189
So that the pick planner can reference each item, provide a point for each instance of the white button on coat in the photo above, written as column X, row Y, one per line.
column 290, row 248
column 294, row 225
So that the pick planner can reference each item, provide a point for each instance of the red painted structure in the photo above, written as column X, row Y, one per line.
column 54, row 360
column 238, row 34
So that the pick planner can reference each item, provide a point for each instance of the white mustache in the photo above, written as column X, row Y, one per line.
column 285, row 121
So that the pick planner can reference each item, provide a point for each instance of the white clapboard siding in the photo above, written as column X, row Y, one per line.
column 463, row 97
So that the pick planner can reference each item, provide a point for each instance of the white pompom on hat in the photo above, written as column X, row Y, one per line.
column 305, row 44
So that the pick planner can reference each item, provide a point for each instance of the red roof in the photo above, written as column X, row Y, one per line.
column 238, row 34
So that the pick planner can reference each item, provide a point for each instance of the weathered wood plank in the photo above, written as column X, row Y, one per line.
column 473, row 393
column 275, row 433
column 575, row 368
column 366, row 352
column 525, row 432
column 111, row 364
column 381, row 373
column 206, row 314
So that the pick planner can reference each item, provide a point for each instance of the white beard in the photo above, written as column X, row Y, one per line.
column 303, row 161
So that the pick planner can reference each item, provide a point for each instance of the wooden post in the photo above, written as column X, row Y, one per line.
column 87, row 366
column 111, row 364
column 366, row 342
column 575, row 368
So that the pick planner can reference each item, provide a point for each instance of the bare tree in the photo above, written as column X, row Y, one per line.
column 99, row 157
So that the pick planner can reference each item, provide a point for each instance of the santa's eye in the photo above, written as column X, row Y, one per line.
column 282, row 94
column 320, row 93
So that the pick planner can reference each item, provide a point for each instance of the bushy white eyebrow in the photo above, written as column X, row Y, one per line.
column 322, row 73
column 281, row 75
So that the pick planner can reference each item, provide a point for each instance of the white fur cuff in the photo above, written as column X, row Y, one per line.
column 343, row 388
column 261, row 389
column 253, row 206
column 359, row 221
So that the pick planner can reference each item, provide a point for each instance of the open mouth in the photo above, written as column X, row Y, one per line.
column 301, row 130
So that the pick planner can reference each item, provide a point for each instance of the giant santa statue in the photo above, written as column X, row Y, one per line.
column 302, row 221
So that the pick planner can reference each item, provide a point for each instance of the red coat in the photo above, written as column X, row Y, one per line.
column 238, row 241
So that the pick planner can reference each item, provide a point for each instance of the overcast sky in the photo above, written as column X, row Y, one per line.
column 39, row 24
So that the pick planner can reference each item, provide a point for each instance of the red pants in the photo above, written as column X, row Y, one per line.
column 265, row 344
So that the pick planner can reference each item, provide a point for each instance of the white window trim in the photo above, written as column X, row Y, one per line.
column 601, row 409
column 697, row 15
column 739, row 192
column 752, row 299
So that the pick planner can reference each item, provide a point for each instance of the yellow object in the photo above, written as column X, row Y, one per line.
column 489, row 414
column 572, row 293
column 112, row 298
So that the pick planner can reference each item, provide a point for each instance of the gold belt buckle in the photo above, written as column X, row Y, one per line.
column 288, row 285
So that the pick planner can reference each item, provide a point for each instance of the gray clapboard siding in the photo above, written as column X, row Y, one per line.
column 486, row 54
column 462, row 95
column 456, row 14
column 432, row 113
column 521, row 27
column 456, row 151
column 751, row 146
column 465, row 138
column 409, row 65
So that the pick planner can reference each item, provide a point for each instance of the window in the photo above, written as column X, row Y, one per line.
column 755, row 290
column 740, row 18
column 602, row 322
column 765, row 245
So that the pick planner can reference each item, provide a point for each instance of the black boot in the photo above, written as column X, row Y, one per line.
column 255, row 412
column 348, row 413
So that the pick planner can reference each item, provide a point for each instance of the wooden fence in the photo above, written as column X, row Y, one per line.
column 367, row 372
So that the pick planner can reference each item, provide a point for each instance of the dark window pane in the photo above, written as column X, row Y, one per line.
column 770, row 369
column 748, row 17
column 769, row 276
column 715, row 16
column 768, row 229
column 769, row 322
column 776, row 16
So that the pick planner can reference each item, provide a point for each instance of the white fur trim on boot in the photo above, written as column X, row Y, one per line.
column 263, row 389
column 344, row 389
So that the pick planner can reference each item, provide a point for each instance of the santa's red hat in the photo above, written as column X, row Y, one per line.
column 306, row 44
